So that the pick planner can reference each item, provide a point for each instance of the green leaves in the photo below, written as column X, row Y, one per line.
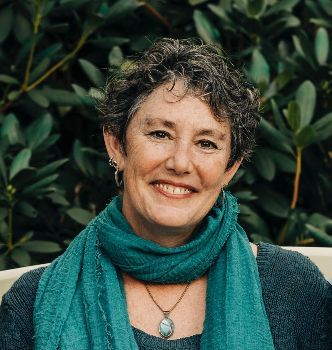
column 306, row 99
column 122, row 8
column 8, row 79
column 303, row 48
column 10, row 129
column 294, row 115
column 259, row 69
column 62, row 97
column 322, row 45
column 275, row 138
column 22, row 28
column 6, row 20
column 21, row 257
column 41, row 186
column 81, row 159
column 319, row 235
column 305, row 136
column 115, row 57
column 272, row 202
column 20, row 162
column 205, row 29
column 38, row 131
column 281, row 5
column 196, row 2
column 323, row 127
column 300, row 113
column 256, row 8
column 79, row 215
column 327, row 6
column 39, row 246
column 39, row 98
column 264, row 164
column 92, row 72
column 49, row 168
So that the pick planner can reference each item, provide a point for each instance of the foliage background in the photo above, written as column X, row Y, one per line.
column 55, row 54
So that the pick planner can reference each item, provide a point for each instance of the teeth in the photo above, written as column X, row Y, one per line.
column 172, row 189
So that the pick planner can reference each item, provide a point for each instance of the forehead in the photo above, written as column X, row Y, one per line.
column 173, row 105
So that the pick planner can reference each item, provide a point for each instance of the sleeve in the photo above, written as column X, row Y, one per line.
column 312, row 297
column 16, row 313
column 297, row 299
column 321, row 328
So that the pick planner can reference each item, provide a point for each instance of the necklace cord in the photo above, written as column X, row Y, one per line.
column 167, row 312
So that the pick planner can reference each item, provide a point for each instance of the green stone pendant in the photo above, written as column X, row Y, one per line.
column 166, row 326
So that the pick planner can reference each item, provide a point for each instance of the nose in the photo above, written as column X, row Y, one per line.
column 180, row 160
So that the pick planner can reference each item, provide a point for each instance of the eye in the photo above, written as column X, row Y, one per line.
column 159, row 134
column 207, row 144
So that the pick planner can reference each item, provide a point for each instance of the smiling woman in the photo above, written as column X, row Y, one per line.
column 166, row 265
column 175, row 165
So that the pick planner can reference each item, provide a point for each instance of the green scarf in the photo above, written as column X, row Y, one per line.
column 81, row 304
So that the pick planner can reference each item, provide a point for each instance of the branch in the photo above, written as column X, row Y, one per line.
column 284, row 230
column 157, row 15
column 68, row 57
column 36, row 24
column 10, row 229
column 282, row 234
column 297, row 177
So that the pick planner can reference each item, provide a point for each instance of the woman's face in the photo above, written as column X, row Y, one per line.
column 175, row 166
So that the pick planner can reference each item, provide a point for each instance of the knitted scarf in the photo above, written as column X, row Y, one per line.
column 81, row 304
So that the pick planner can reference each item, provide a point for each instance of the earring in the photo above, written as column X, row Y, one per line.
column 118, row 179
column 117, row 175
column 223, row 195
column 112, row 163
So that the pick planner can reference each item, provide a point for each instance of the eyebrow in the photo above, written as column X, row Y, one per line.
column 159, row 121
column 213, row 133
column 171, row 125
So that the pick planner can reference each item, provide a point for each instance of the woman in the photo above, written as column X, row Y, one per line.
column 166, row 265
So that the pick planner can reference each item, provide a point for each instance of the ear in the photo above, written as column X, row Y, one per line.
column 230, row 172
column 114, row 148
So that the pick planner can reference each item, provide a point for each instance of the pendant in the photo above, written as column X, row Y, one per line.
column 166, row 326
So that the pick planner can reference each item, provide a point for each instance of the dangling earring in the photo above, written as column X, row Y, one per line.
column 117, row 175
column 112, row 162
column 223, row 195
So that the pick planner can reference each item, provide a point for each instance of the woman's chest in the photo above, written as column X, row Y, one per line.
column 186, row 306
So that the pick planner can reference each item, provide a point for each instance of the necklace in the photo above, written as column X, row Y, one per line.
column 166, row 325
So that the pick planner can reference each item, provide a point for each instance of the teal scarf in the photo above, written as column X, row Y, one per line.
column 81, row 304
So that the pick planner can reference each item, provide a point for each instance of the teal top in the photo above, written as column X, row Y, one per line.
column 297, row 300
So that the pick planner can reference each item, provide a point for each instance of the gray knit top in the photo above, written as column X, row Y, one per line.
column 297, row 298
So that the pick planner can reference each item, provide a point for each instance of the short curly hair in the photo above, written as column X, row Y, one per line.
column 206, row 73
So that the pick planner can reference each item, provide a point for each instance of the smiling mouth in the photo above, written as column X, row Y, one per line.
column 172, row 189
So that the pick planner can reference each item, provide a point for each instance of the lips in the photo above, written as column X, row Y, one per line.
column 173, row 188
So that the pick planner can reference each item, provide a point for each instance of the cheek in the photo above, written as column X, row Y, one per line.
column 143, row 153
column 211, row 172
column 142, row 159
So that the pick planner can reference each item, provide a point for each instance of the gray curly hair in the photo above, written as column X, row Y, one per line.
column 206, row 73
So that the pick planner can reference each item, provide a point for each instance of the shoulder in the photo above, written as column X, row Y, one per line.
column 16, row 312
column 23, row 291
column 290, row 269
column 291, row 264
column 295, row 291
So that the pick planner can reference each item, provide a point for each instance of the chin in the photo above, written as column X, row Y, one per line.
column 173, row 218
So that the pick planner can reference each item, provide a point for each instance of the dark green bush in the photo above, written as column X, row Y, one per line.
column 55, row 54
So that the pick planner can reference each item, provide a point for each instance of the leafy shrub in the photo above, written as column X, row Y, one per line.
column 55, row 54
